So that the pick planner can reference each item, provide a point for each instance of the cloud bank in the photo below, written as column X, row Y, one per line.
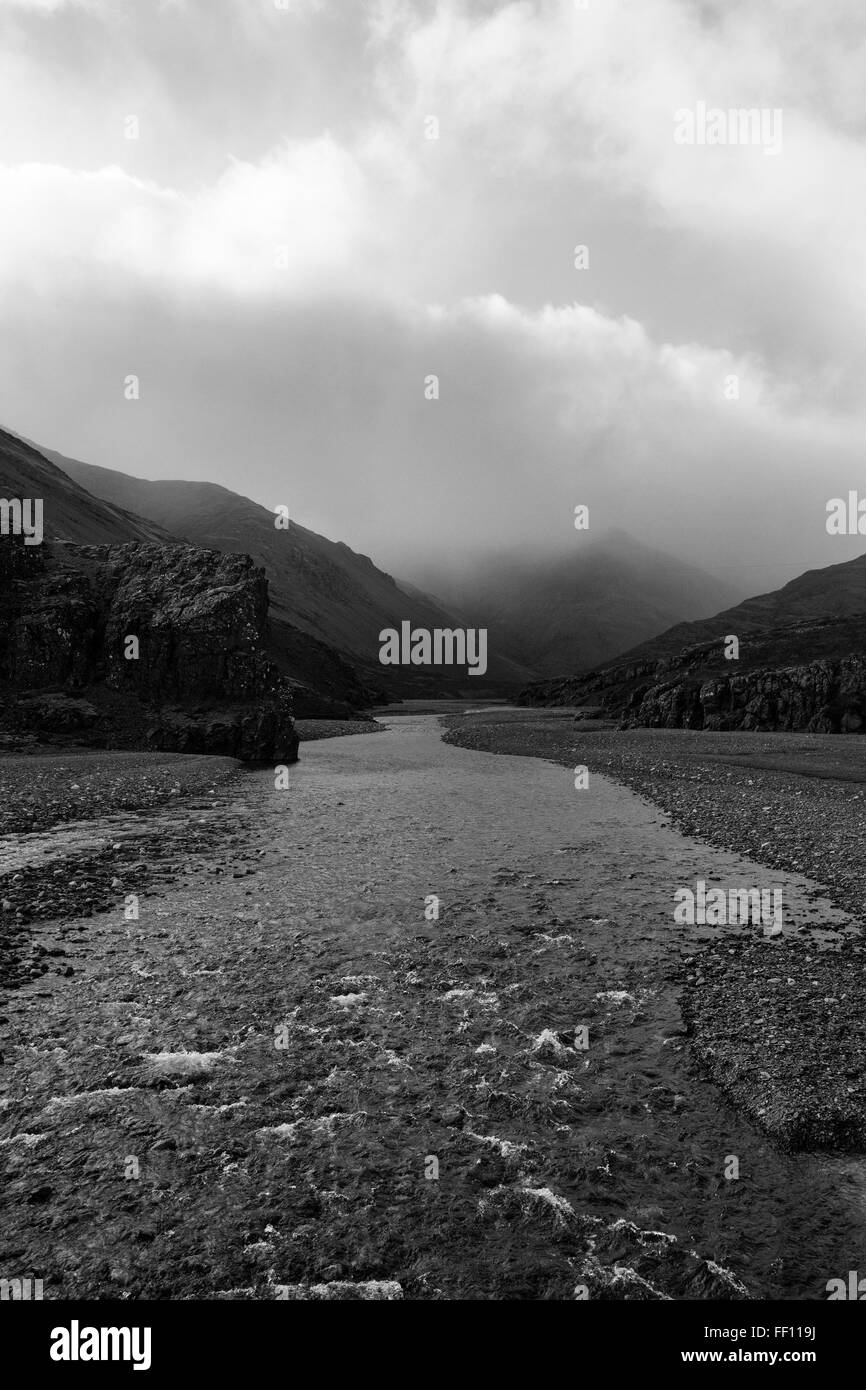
column 284, row 257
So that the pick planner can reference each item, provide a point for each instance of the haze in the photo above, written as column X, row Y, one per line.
column 283, row 257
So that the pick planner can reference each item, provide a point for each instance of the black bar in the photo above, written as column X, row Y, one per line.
column 239, row 1338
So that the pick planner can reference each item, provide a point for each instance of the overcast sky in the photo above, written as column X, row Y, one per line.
column 282, row 257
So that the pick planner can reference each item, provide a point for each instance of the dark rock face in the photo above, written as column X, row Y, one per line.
column 769, row 687
column 201, row 682
column 825, row 697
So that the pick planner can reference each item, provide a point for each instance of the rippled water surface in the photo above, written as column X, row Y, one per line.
column 457, row 1037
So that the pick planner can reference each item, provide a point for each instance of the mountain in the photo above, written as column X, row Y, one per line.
column 328, row 604
column 324, row 683
column 834, row 592
column 70, row 513
column 318, row 587
column 568, row 613
column 799, row 664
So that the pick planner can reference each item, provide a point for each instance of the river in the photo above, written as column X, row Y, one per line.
column 529, row 1039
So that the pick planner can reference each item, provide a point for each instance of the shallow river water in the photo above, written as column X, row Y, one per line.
column 457, row 1037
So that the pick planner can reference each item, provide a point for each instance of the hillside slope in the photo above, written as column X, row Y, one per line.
column 324, row 683
column 70, row 512
column 319, row 586
column 799, row 664
column 837, row 591
column 568, row 613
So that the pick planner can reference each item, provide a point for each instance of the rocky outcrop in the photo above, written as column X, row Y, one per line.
column 768, row 687
column 826, row 697
column 141, row 646
column 319, row 588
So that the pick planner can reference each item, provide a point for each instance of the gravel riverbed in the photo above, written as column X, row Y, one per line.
column 291, row 1078
column 81, row 831
column 779, row 1022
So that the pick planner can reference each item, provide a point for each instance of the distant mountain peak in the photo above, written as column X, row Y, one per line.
column 318, row 587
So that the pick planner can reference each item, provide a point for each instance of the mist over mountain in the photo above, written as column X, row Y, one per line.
column 834, row 592
column 565, row 613
column 798, row 664
column 613, row 601
column 317, row 586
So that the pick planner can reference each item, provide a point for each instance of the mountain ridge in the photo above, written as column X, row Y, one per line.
column 72, row 513
column 322, row 587
column 798, row 664
column 574, row 610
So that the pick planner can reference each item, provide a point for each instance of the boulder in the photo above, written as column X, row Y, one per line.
column 200, row 682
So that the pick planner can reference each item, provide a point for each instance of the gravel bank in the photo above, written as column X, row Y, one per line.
column 778, row 1023
column 82, row 831
column 795, row 802
column 783, row 1030
column 41, row 789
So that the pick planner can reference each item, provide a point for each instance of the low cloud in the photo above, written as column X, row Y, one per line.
column 286, row 265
